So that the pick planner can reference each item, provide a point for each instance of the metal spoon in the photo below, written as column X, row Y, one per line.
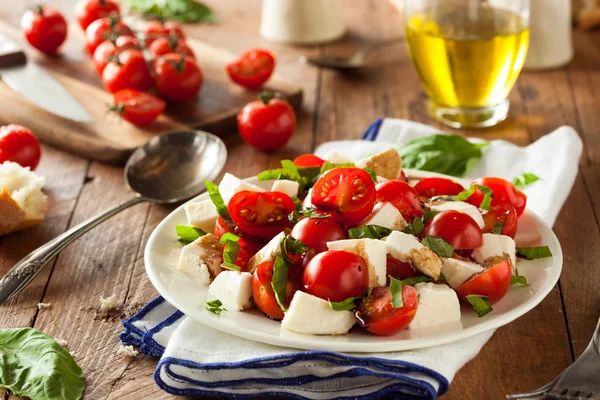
column 357, row 60
column 168, row 169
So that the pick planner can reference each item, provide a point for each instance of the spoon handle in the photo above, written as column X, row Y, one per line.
column 25, row 270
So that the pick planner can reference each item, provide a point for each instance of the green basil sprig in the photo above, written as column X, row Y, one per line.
column 288, row 245
column 369, row 231
column 525, row 179
column 188, row 234
column 532, row 253
column 481, row 304
column 346, row 305
column 416, row 227
column 438, row 245
column 232, row 248
column 519, row 280
column 215, row 306
column 175, row 10
column 217, row 199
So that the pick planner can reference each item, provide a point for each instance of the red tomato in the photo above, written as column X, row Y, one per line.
column 45, row 28
column 252, row 69
column 248, row 248
column 178, row 78
column 127, row 71
column 107, row 49
column 430, row 187
column 402, row 196
column 267, row 125
column 104, row 29
column 399, row 270
column 157, row 29
column 347, row 193
column 138, row 108
column 376, row 314
column 493, row 283
column 222, row 228
column 87, row 11
column 336, row 275
column 504, row 192
column 455, row 227
column 308, row 160
column 162, row 46
column 316, row 232
column 261, row 214
column 262, row 291
column 18, row 144
column 504, row 214
column 403, row 177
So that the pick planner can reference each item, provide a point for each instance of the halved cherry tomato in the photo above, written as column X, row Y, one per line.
column 18, row 144
column 252, row 68
column 336, row 275
column 87, row 11
column 261, row 214
column 45, row 28
column 157, row 29
column 105, row 29
column 504, row 192
column 455, row 227
column 399, row 270
column 222, row 228
column 376, row 314
column 127, row 71
column 430, row 187
column 308, row 160
column 316, row 232
column 171, row 44
column 493, row 283
column 504, row 214
column 178, row 78
column 402, row 196
column 138, row 108
column 248, row 248
column 262, row 291
column 108, row 48
column 348, row 194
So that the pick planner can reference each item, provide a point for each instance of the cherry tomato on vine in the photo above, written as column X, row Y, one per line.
column 18, row 144
column 127, row 71
column 262, row 291
column 504, row 192
column 178, row 78
column 503, row 215
column 172, row 44
column 87, row 11
column 138, row 108
column 316, row 232
column 108, row 49
column 430, row 187
column 493, row 283
column 252, row 68
column 102, row 29
column 376, row 314
column 402, row 196
column 45, row 28
column 157, row 29
column 455, row 227
column 308, row 160
column 261, row 214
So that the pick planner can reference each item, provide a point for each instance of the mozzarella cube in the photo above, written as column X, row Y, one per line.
column 230, row 185
column 386, row 164
column 458, row 272
column 438, row 305
column 288, row 187
column 372, row 251
column 407, row 248
column 312, row 315
column 307, row 203
column 267, row 253
column 386, row 215
column 202, row 215
column 336, row 158
column 202, row 259
column 496, row 247
column 469, row 209
column 234, row 289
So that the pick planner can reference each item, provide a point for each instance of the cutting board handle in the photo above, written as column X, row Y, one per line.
column 11, row 53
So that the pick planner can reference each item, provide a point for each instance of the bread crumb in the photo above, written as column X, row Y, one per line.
column 126, row 351
column 62, row 342
column 42, row 306
column 108, row 303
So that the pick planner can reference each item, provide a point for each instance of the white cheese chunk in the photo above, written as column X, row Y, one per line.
column 267, row 253
column 202, row 215
column 407, row 248
column 307, row 203
column 458, row 272
column 336, row 158
column 234, row 289
column 284, row 186
column 438, row 305
column 386, row 164
column 312, row 315
column 202, row 259
column 372, row 251
column 496, row 246
column 469, row 209
column 231, row 185
column 386, row 215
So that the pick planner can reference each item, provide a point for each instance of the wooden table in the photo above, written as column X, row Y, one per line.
column 109, row 260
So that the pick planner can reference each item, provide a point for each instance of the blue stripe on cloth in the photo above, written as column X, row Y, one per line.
column 150, row 346
column 372, row 131
column 132, row 334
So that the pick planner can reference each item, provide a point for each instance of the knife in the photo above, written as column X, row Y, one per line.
column 31, row 81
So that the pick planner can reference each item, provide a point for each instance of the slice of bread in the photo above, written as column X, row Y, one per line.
column 22, row 203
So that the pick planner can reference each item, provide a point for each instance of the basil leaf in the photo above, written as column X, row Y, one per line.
column 428, row 215
column 532, row 253
column 34, row 365
column 416, row 279
column 290, row 170
column 281, row 267
column 215, row 306
column 176, row 10
column 188, row 234
column 497, row 229
column 446, row 154
column 372, row 174
column 232, row 248
column 229, row 237
column 441, row 278
column 346, row 305
column 481, row 304
column 293, row 246
column 486, row 203
column 518, row 280
column 464, row 195
column 438, row 245
column 525, row 179
column 309, row 212
column 369, row 231
column 416, row 227
column 329, row 166
column 443, row 197
column 230, row 266
column 215, row 197
column 271, row 174
column 396, row 291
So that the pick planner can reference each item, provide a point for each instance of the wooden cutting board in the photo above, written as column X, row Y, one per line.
column 108, row 138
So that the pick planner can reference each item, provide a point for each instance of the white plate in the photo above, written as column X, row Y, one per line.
column 161, row 255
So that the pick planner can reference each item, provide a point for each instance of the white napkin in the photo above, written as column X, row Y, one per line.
column 197, row 360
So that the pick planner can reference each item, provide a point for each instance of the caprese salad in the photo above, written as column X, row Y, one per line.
column 336, row 242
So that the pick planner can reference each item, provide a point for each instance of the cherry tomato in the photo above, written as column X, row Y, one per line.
column 262, row 291
column 252, row 68
column 261, row 214
column 102, row 29
column 171, row 44
column 504, row 214
column 504, row 192
column 430, row 187
column 402, row 196
column 267, row 124
column 45, row 28
column 347, row 193
column 248, row 248
column 127, row 71
column 316, row 232
column 138, row 108
column 455, row 227
column 87, row 11
column 18, row 144
column 376, row 314
column 222, row 228
column 157, row 29
column 178, row 78
column 108, row 49
column 308, row 160
column 399, row 270
column 493, row 283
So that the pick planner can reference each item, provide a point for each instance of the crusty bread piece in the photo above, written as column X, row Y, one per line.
column 386, row 164
column 22, row 203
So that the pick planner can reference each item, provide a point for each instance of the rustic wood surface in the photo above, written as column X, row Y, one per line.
column 520, row 356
